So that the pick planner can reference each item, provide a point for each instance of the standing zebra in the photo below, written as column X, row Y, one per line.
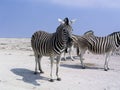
column 98, row 45
column 46, row 44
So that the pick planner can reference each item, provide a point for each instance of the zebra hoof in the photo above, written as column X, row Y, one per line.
column 58, row 79
column 105, row 69
column 64, row 59
column 41, row 72
column 72, row 59
column 35, row 73
column 83, row 67
column 51, row 80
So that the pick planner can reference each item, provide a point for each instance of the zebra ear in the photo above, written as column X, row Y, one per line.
column 72, row 21
column 61, row 21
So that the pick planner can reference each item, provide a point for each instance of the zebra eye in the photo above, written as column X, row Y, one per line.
column 64, row 30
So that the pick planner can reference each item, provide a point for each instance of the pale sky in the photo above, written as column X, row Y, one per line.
column 21, row 18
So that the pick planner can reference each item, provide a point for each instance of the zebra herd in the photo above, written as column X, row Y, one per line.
column 54, row 44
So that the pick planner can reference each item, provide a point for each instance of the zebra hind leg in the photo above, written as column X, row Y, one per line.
column 39, row 64
column 36, row 62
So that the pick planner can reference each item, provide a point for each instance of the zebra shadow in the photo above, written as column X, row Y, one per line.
column 69, row 58
column 87, row 66
column 28, row 76
column 71, row 66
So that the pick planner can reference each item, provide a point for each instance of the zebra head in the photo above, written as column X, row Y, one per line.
column 65, row 31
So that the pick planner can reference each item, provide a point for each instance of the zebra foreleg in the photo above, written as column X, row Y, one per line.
column 107, row 56
column 51, row 76
column 80, row 53
column 65, row 56
column 70, row 52
column 57, row 67
column 81, row 59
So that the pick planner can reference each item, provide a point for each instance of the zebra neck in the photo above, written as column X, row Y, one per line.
column 58, row 45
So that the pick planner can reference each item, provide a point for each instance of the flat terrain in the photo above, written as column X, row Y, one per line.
column 17, row 67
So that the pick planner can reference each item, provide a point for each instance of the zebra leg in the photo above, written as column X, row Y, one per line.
column 51, row 76
column 36, row 62
column 57, row 67
column 65, row 56
column 39, row 64
column 81, row 57
column 66, row 51
column 106, row 61
column 70, row 52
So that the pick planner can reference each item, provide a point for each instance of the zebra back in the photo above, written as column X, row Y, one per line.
column 100, row 45
column 39, row 42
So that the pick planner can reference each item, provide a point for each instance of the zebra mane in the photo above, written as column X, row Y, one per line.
column 113, row 33
column 90, row 32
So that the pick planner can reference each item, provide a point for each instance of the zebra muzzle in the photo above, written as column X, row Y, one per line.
column 70, row 39
column 69, row 42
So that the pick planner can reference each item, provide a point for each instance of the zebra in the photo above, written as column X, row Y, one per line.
column 98, row 45
column 70, row 48
column 52, row 45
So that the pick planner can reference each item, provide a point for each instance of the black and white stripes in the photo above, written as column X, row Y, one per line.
column 46, row 44
column 98, row 45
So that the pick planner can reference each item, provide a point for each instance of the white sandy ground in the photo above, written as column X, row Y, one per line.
column 17, row 68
